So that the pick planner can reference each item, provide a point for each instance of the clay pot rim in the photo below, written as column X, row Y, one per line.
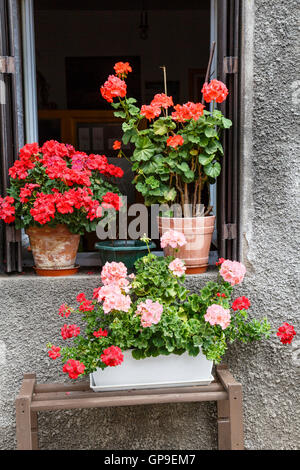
column 188, row 218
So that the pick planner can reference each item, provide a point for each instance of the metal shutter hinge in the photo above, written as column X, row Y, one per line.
column 230, row 64
column 229, row 232
column 7, row 64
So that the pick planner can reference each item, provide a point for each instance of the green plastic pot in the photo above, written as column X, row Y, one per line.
column 126, row 251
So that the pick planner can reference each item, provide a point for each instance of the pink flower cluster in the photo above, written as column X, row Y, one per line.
column 172, row 238
column 113, row 276
column 150, row 312
column 217, row 315
column 177, row 267
column 232, row 272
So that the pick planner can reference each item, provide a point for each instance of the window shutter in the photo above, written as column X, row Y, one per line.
column 11, row 122
column 228, row 40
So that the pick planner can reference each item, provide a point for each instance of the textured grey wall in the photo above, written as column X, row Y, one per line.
column 268, row 371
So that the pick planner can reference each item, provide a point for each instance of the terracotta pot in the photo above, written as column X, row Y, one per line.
column 53, row 248
column 198, row 232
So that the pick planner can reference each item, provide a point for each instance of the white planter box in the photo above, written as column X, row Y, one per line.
column 152, row 372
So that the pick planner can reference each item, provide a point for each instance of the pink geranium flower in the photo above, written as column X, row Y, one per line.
column 232, row 272
column 173, row 239
column 177, row 267
column 150, row 312
column 217, row 315
column 113, row 272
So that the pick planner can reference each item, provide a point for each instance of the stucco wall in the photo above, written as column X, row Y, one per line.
column 268, row 371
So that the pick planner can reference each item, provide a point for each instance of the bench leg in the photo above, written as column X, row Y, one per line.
column 34, row 430
column 23, row 422
column 223, row 425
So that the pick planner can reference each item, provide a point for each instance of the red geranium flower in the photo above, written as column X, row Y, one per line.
column 150, row 112
column 286, row 332
column 86, row 306
column 188, row 110
column 54, row 352
column 112, row 356
column 81, row 297
column 7, row 210
column 214, row 91
column 111, row 201
column 221, row 260
column 112, row 88
column 74, row 368
column 241, row 303
column 68, row 331
column 117, row 145
column 122, row 69
column 175, row 141
column 161, row 100
column 100, row 333
column 65, row 310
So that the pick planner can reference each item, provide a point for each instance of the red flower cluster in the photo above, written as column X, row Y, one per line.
column 214, row 91
column 81, row 297
column 286, row 332
column 74, row 368
column 122, row 69
column 150, row 112
column 68, row 331
column 54, row 352
column 220, row 261
column 188, row 110
column 112, row 88
column 111, row 201
column 117, row 145
column 65, row 310
column 112, row 356
column 28, row 155
column 86, row 306
column 43, row 209
column 7, row 210
column 26, row 192
column 174, row 141
column 221, row 295
column 161, row 100
column 100, row 333
column 241, row 303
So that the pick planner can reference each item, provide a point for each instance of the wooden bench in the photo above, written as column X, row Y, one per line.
column 34, row 398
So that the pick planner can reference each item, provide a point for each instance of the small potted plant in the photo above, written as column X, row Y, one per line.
column 153, row 328
column 57, row 194
column 175, row 159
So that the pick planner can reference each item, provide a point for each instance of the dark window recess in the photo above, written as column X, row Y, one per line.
column 11, row 124
column 228, row 68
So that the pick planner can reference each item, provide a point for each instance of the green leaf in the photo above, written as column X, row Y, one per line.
column 213, row 170
column 160, row 127
column 210, row 132
column 120, row 114
column 205, row 159
column 226, row 122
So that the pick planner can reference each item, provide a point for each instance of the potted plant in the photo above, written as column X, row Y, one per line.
column 57, row 194
column 175, row 159
column 153, row 328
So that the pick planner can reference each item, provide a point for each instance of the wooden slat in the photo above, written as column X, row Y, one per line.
column 96, row 402
column 45, row 394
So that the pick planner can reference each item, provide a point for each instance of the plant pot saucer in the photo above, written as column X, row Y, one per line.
column 54, row 272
